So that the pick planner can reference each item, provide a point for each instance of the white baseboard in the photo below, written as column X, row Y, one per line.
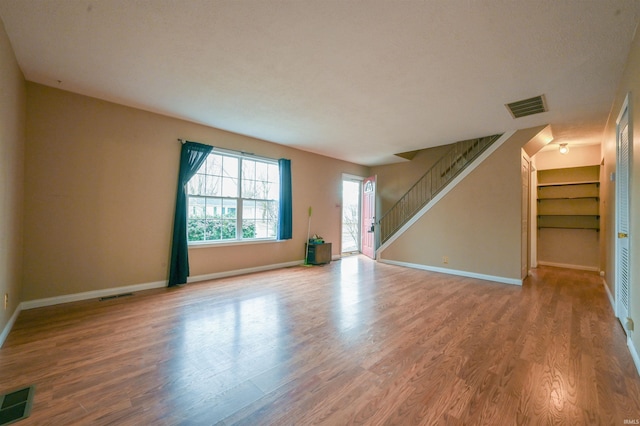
column 569, row 266
column 634, row 354
column 49, row 301
column 235, row 272
column 609, row 295
column 95, row 294
column 9, row 326
column 503, row 280
column 630, row 345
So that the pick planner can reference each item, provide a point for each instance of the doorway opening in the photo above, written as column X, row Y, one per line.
column 351, row 219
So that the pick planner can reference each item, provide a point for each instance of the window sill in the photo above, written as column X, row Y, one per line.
column 209, row 244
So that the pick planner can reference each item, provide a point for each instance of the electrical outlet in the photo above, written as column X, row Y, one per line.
column 445, row 259
column 6, row 300
column 628, row 324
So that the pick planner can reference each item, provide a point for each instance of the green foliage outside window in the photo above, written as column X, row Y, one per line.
column 218, row 228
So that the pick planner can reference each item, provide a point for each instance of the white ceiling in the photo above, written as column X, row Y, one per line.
column 355, row 80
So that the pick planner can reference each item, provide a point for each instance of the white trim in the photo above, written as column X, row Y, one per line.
column 533, row 214
column 630, row 345
column 474, row 164
column 634, row 354
column 235, row 272
column 95, row 294
column 503, row 280
column 625, row 105
column 9, row 326
column 39, row 303
column 569, row 266
column 347, row 177
column 625, row 109
column 609, row 295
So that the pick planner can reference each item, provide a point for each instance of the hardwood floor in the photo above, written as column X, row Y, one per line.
column 353, row 342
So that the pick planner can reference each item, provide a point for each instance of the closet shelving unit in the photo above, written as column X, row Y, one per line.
column 569, row 198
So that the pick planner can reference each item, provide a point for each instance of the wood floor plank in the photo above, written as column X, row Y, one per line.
column 352, row 342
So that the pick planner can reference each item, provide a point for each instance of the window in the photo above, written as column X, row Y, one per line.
column 233, row 198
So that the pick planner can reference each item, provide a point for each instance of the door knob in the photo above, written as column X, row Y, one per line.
column 622, row 235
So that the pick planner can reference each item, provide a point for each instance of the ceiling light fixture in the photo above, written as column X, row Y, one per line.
column 564, row 148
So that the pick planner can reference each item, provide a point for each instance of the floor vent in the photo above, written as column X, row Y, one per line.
column 527, row 107
column 116, row 296
column 16, row 405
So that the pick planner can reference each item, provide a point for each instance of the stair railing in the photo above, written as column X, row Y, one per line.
column 431, row 183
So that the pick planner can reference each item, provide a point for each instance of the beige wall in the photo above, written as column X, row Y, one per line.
column 576, row 248
column 100, row 195
column 478, row 224
column 12, row 140
column 630, row 83
column 578, row 155
column 570, row 248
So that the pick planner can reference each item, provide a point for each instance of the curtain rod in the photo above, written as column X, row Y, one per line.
column 231, row 151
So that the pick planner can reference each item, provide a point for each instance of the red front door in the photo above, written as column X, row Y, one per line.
column 368, row 217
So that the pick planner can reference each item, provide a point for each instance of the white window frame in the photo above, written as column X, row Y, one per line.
column 239, row 200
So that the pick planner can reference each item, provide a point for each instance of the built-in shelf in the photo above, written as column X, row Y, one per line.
column 569, row 175
column 564, row 215
column 569, row 221
column 569, row 198
column 586, row 182
column 569, row 191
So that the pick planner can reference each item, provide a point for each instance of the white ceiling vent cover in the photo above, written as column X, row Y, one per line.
column 527, row 107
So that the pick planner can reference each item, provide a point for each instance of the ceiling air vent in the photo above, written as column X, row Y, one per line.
column 527, row 107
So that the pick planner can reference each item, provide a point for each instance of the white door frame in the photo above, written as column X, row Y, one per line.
column 354, row 178
column 533, row 215
column 525, row 163
column 623, row 253
column 369, row 228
